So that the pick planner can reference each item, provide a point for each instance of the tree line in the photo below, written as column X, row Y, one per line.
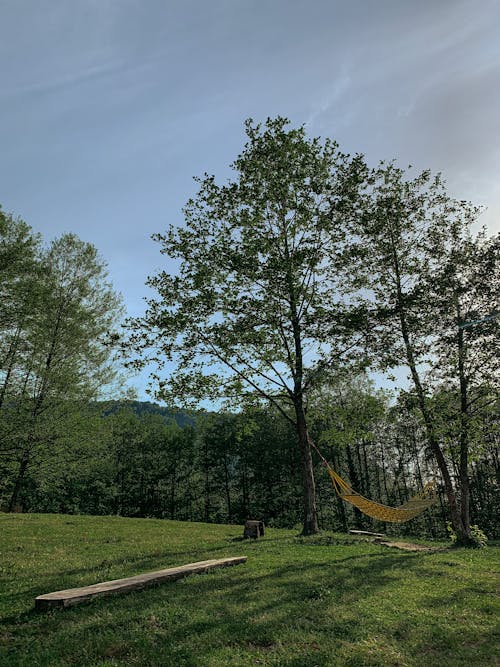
column 297, row 277
column 135, row 459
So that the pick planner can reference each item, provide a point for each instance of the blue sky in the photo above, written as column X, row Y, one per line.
column 110, row 107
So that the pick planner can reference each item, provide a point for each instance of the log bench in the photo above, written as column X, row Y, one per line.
column 73, row 596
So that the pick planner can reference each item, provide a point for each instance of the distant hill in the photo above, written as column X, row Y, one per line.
column 181, row 417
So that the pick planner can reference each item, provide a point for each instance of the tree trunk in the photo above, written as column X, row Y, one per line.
column 23, row 466
column 444, row 514
column 420, row 480
column 378, row 468
column 465, row 536
column 310, row 526
column 9, row 359
column 244, row 488
column 340, row 502
column 368, row 488
column 27, row 455
column 353, row 476
column 384, row 475
column 362, row 482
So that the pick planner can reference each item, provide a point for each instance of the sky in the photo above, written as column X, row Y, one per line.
column 109, row 108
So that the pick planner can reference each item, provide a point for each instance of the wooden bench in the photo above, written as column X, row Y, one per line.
column 73, row 596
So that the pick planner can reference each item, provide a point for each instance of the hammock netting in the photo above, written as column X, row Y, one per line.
column 405, row 512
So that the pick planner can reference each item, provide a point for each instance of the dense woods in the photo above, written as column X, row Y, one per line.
column 296, row 280
column 134, row 459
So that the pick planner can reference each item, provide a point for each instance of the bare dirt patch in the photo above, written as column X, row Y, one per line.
column 407, row 546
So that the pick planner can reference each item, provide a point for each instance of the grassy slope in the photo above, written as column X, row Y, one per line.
column 328, row 600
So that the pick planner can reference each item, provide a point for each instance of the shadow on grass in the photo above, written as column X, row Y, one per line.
column 300, row 586
column 124, row 566
column 292, row 616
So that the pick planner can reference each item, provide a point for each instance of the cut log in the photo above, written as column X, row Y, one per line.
column 366, row 532
column 73, row 596
column 253, row 529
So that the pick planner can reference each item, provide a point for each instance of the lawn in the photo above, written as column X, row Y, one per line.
column 297, row 602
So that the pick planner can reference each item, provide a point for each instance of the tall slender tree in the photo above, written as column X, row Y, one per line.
column 19, row 277
column 62, row 319
column 405, row 242
column 467, row 291
column 251, row 310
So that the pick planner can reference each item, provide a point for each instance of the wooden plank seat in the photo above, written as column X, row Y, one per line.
column 73, row 596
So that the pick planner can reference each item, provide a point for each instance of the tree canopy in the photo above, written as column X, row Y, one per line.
column 252, row 311
column 57, row 309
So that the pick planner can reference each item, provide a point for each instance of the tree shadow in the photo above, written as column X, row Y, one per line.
column 106, row 569
column 254, row 620
column 232, row 606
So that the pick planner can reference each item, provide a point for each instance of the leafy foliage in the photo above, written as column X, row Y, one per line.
column 57, row 309
column 252, row 308
column 423, row 280
column 478, row 537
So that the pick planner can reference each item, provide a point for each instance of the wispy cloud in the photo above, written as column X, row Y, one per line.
column 71, row 79
column 330, row 98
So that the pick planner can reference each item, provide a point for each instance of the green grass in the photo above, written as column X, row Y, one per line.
column 297, row 602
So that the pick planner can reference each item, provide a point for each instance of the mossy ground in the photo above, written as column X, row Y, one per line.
column 297, row 602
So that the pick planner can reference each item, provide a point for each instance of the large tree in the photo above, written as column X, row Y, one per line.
column 250, row 312
column 467, row 328
column 54, row 358
column 19, row 249
column 423, row 276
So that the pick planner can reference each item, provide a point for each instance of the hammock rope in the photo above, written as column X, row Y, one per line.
column 409, row 510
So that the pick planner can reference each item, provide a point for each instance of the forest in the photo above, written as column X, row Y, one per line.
column 134, row 459
column 298, row 281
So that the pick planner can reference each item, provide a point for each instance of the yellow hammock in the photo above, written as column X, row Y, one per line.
column 405, row 512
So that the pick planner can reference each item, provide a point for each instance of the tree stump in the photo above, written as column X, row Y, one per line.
column 253, row 529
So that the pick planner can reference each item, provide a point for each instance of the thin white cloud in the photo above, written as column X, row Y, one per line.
column 65, row 81
column 330, row 98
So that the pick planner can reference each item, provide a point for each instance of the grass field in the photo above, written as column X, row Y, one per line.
column 297, row 602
